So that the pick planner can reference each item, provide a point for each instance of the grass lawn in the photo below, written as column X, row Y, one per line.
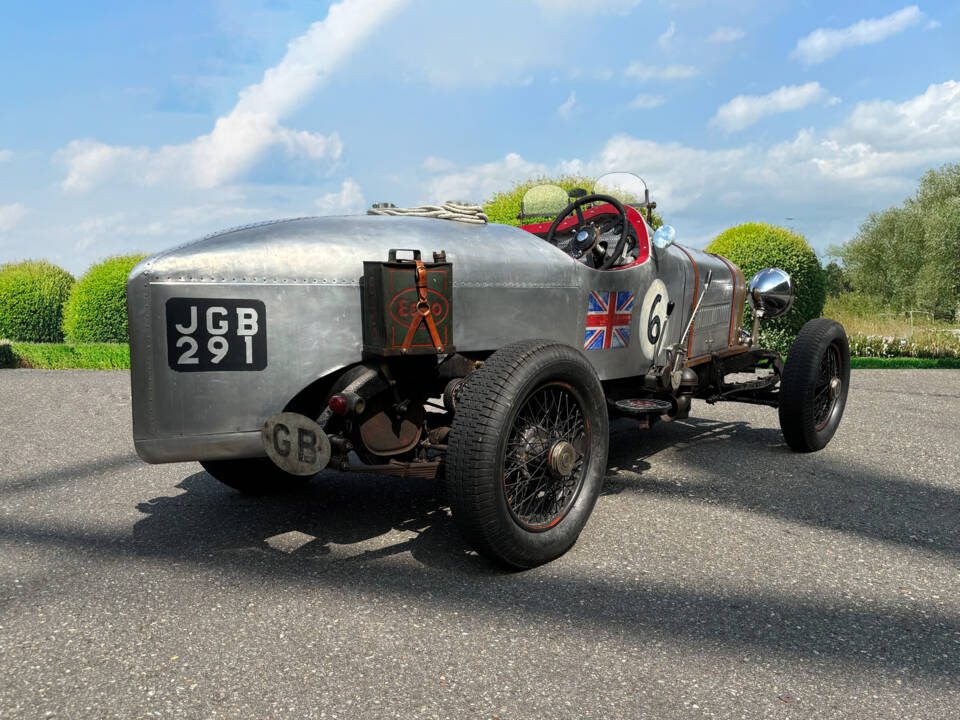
column 116, row 356
column 62, row 356
column 865, row 363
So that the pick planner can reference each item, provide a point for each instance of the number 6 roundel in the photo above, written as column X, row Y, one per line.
column 653, row 316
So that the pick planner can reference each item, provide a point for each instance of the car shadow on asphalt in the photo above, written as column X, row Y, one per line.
column 756, row 472
column 319, row 522
column 429, row 563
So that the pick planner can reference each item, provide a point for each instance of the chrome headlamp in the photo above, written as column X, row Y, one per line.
column 771, row 293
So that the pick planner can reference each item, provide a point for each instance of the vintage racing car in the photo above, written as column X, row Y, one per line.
column 489, row 354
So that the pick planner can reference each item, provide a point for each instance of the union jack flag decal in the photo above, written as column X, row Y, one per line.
column 608, row 320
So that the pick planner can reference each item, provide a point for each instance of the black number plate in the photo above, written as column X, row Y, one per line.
column 212, row 334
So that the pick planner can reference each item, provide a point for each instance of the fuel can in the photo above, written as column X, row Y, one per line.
column 391, row 305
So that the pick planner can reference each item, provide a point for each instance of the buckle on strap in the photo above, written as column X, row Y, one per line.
column 423, row 313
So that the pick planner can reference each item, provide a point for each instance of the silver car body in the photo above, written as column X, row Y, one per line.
column 508, row 285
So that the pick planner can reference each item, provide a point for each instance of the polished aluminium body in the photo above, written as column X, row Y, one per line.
column 508, row 286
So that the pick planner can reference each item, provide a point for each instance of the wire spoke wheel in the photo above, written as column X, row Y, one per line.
column 527, row 452
column 827, row 389
column 813, row 388
column 544, row 459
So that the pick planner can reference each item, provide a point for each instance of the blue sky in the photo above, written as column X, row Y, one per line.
column 137, row 126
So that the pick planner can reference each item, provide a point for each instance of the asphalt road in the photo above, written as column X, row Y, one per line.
column 721, row 576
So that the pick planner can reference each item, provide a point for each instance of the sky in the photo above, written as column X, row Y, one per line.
column 133, row 127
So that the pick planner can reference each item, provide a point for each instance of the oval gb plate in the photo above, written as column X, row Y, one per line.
column 296, row 444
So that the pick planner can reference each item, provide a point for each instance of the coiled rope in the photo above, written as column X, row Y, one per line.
column 459, row 212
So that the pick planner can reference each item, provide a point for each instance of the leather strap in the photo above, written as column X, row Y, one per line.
column 423, row 312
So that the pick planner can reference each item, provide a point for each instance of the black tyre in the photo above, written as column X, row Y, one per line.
column 813, row 390
column 254, row 476
column 527, row 453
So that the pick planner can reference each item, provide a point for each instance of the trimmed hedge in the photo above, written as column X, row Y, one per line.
column 32, row 295
column 503, row 207
column 754, row 246
column 97, row 309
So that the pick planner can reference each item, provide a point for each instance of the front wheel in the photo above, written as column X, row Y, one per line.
column 527, row 453
column 813, row 390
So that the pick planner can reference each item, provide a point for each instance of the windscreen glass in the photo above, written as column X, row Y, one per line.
column 543, row 201
column 625, row 187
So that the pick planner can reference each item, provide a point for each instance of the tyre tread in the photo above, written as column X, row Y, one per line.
column 799, row 376
column 482, row 410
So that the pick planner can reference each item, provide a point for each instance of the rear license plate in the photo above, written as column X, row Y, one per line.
column 210, row 334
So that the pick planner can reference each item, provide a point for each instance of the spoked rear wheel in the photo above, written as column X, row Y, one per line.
column 545, row 455
column 527, row 453
column 813, row 391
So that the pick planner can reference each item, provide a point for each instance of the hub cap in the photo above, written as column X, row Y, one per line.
column 835, row 386
column 562, row 459
column 544, row 463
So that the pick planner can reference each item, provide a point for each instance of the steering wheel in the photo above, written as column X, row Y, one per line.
column 587, row 235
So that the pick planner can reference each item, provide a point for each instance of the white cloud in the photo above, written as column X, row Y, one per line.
column 666, row 38
column 348, row 201
column 642, row 71
column 647, row 102
column 244, row 137
column 619, row 7
column 823, row 43
column 726, row 35
column 745, row 110
column 5, row 155
column 827, row 180
column 11, row 215
column 101, row 233
column 93, row 230
column 932, row 25
column 927, row 121
column 567, row 106
column 479, row 182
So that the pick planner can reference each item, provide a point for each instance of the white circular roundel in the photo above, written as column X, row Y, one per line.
column 653, row 317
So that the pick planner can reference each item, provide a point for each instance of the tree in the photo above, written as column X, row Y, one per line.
column 837, row 281
column 910, row 255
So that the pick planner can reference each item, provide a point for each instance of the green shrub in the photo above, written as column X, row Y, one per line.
column 754, row 246
column 97, row 308
column 503, row 207
column 777, row 339
column 32, row 294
